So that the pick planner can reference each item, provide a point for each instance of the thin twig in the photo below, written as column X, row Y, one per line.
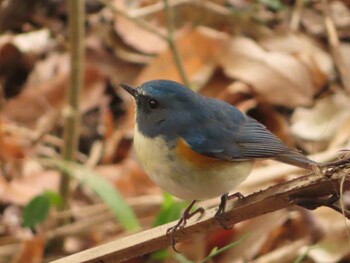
column 296, row 15
column 172, row 45
column 71, row 111
column 333, row 40
column 169, row 38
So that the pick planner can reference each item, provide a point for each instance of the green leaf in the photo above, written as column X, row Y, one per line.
column 101, row 187
column 170, row 211
column 215, row 251
column 36, row 211
column 159, row 256
column 54, row 198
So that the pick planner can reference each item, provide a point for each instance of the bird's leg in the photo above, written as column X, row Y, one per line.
column 220, row 214
column 187, row 214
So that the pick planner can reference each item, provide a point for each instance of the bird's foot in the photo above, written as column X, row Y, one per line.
column 220, row 214
column 180, row 225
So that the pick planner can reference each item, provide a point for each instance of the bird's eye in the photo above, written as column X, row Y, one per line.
column 153, row 104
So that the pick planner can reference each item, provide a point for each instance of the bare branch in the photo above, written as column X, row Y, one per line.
column 313, row 186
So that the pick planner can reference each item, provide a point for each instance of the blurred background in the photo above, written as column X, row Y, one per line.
column 285, row 63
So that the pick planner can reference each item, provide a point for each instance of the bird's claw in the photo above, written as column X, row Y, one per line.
column 220, row 214
column 180, row 225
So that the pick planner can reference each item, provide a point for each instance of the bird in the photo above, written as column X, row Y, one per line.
column 196, row 147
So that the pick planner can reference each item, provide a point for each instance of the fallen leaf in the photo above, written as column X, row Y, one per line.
column 237, row 94
column 140, row 38
column 257, row 231
column 199, row 51
column 36, row 42
column 340, row 13
column 128, row 177
column 31, row 250
column 12, row 145
column 322, row 121
column 334, row 246
column 276, row 77
column 217, row 84
column 308, row 51
column 15, row 67
column 313, row 18
column 48, row 93
column 33, row 182
column 342, row 135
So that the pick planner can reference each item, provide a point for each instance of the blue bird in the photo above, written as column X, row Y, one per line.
column 196, row 147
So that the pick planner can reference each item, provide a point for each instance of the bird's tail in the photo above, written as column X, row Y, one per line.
column 297, row 159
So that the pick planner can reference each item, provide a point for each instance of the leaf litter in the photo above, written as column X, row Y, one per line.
column 239, row 52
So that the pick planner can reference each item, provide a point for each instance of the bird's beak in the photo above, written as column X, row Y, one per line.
column 133, row 91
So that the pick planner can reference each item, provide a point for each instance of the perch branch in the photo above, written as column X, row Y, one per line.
column 313, row 186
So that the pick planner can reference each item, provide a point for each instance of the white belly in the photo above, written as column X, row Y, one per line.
column 181, row 178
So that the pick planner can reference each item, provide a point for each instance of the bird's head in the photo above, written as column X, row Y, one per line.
column 163, row 107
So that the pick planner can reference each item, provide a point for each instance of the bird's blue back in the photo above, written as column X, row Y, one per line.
column 212, row 127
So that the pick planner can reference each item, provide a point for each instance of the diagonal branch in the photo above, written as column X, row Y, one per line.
column 313, row 186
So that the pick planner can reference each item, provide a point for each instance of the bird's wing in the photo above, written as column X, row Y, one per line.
column 248, row 140
column 231, row 135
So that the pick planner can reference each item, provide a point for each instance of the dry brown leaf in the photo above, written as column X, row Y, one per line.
column 193, row 248
column 257, row 231
column 340, row 14
column 128, row 177
column 138, row 37
column 199, row 51
column 33, row 182
column 240, row 95
column 314, row 22
column 36, row 42
column 49, row 94
column 286, row 253
column 342, row 135
column 216, row 84
column 276, row 77
column 335, row 244
column 12, row 146
column 322, row 121
column 309, row 52
column 31, row 251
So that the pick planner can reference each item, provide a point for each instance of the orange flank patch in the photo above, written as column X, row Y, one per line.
column 197, row 159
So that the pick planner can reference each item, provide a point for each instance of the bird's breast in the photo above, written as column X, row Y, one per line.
column 184, row 173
